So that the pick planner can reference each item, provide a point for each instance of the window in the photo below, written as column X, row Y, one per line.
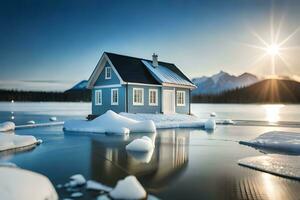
column 138, row 96
column 107, row 72
column 180, row 98
column 153, row 97
column 114, row 96
column 98, row 97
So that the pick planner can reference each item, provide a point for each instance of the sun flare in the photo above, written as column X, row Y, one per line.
column 273, row 49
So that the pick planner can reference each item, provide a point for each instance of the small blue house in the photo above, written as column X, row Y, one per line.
column 136, row 85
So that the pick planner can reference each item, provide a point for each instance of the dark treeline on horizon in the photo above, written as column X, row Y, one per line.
column 72, row 96
column 267, row 91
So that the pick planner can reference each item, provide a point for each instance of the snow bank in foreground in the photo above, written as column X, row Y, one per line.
column 167, row 120
column 110, row 122
column 281, row 165
column 7, row 126
column 11, row 141
column 128, row 188
column 143, row 144
column 210, row 124
column 16, row 184
column 277, row 140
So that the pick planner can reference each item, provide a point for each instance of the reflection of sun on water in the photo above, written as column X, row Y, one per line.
column 272, row 112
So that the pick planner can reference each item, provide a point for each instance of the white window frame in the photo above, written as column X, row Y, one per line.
column 106, row 70
column 156, row 97
column 98, row 93
column 112, row 96
column 177, row 98
column 137, row 103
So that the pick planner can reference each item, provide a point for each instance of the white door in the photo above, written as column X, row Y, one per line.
column 168, row 101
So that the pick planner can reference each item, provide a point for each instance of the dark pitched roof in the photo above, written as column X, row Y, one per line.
column 131, row 69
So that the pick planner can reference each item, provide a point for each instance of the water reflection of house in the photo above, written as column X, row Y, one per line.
column 168, row 160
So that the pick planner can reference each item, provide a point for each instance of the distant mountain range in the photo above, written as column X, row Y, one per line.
column 221, row 82
column 79, row 86
column 265, row 91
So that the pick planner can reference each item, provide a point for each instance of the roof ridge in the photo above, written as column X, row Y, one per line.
column 136, row 57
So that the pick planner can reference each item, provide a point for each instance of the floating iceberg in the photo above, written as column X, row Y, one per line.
column 7, row 126
column 167, row 120
column 277, row 140
column 77, row 180
column 94, row 185
column 142, row 157
column 31, row 122
column 281, row 165
column 228, row 121
column 210, row 124
column 53, row 119
column 16, row 184
column 144, row 144
column 213, row 114
column 128, row 188
column 110, row 122
column 12, row 141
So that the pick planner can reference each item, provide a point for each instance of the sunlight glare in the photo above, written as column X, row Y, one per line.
column 272, row 112
column 273, row 49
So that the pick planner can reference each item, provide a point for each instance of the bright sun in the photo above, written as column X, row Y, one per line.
column 273, row 49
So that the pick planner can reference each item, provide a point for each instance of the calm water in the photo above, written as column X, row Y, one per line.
column 186, row 163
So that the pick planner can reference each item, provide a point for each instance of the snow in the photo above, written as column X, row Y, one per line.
column 281, row 165
column 143, row 144
column 77, row 180
column 167, row 120
column 31, row 122
column 165, row 75
column 110, row 122
column 142, row 157
column 7, row 164
column 94, row 185
column 53, row 119
column 22, row 184
column 7, row 126
column 76, row 194
column 210, row 124
column 228, row 121
column 277, row 140
column 213, row 114
column 128, row 188
column 103, row 197
column 12, row 141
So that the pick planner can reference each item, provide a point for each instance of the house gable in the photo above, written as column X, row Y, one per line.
column 103, row 80
column 103, row 62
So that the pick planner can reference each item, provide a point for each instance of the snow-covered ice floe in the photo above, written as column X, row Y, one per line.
column 16, row 184
column 128, row 188
column 12, row 141
column 168, row 120
column 281, row 165
column 110, row 122
column 7, row 126
column 210, row 124
column 143, row 144
column 277, row 140
column 94, row 185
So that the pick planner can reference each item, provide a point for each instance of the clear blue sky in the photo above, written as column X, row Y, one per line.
column 52, row 44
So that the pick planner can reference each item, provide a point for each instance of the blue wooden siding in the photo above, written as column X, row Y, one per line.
column 106, row 101
column 146, row 108
column 102, row 81
column 183, row 109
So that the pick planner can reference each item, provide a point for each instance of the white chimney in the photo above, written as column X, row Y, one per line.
column 154, row 60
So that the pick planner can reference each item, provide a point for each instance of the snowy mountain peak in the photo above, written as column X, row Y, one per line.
column 222, row 81
column 217, row 76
